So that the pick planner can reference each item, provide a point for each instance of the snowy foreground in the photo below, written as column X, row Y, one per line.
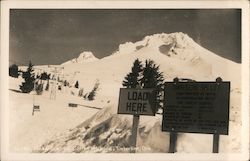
column 95, row 126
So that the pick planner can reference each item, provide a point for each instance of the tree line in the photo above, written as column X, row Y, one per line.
column 142, row 76
column 31, row 84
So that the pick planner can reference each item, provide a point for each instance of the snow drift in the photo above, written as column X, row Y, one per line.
column 108, row 132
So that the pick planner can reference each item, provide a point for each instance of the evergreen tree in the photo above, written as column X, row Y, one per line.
column 38, row 76
column 47, row 86
column 92, row 94
column 45, row 76
column 65, row 83
column 77, row 84
column 13, row 71
column 39, row 88
column 133, row 78
column 80, row 93
column 29, row 78
column 153, row 78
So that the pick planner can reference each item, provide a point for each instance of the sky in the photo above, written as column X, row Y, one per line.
column 53, row 36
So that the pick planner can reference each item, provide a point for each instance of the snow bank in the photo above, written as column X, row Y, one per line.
column 108, row 132
column 103, row 132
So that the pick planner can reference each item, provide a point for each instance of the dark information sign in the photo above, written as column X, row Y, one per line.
column 137, row 101
column 196, row 107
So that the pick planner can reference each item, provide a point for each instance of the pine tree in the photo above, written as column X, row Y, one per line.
column 80, row 93
column 65, row 83
column 39, row 88
column 132, row 80
column 38, row 76
column 92, row 94
column 29, row 78
column 47, row 86
column 77, row 84
column 153, row 78
column 45, row 76
column 13, row 71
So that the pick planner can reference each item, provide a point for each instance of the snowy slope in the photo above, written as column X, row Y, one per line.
column 178, row 56
column 183, row 54
column 29, row 132
column 183, row 59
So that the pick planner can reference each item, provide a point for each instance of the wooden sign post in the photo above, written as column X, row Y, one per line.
column 135, row 125
column 216, row 139
column 172, row 144
column 136, row 102
column 196, row 107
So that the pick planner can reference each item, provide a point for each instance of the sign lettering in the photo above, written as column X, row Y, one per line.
column 198, row 107
column 137, row 101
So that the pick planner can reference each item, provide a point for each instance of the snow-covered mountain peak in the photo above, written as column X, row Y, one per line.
column 178, row 38
column 86, row 56
column 175, row 46
column 177, row 54
column 167, row 44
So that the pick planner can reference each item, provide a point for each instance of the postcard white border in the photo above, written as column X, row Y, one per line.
column 7, row 5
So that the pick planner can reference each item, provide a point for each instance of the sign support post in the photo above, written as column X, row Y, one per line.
column 196, row 107
column 172, row 146
column 216, row 138
column 136, row 119
column 173, row 135
column 136, row 102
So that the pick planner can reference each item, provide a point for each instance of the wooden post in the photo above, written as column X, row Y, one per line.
column 34, row 89
column 172, row 146
column 136, row 118
column 173, row 134
column 216, row 138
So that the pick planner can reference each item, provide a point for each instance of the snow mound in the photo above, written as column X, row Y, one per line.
column 108, row 132
column 84, row 57
column 98, row 134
